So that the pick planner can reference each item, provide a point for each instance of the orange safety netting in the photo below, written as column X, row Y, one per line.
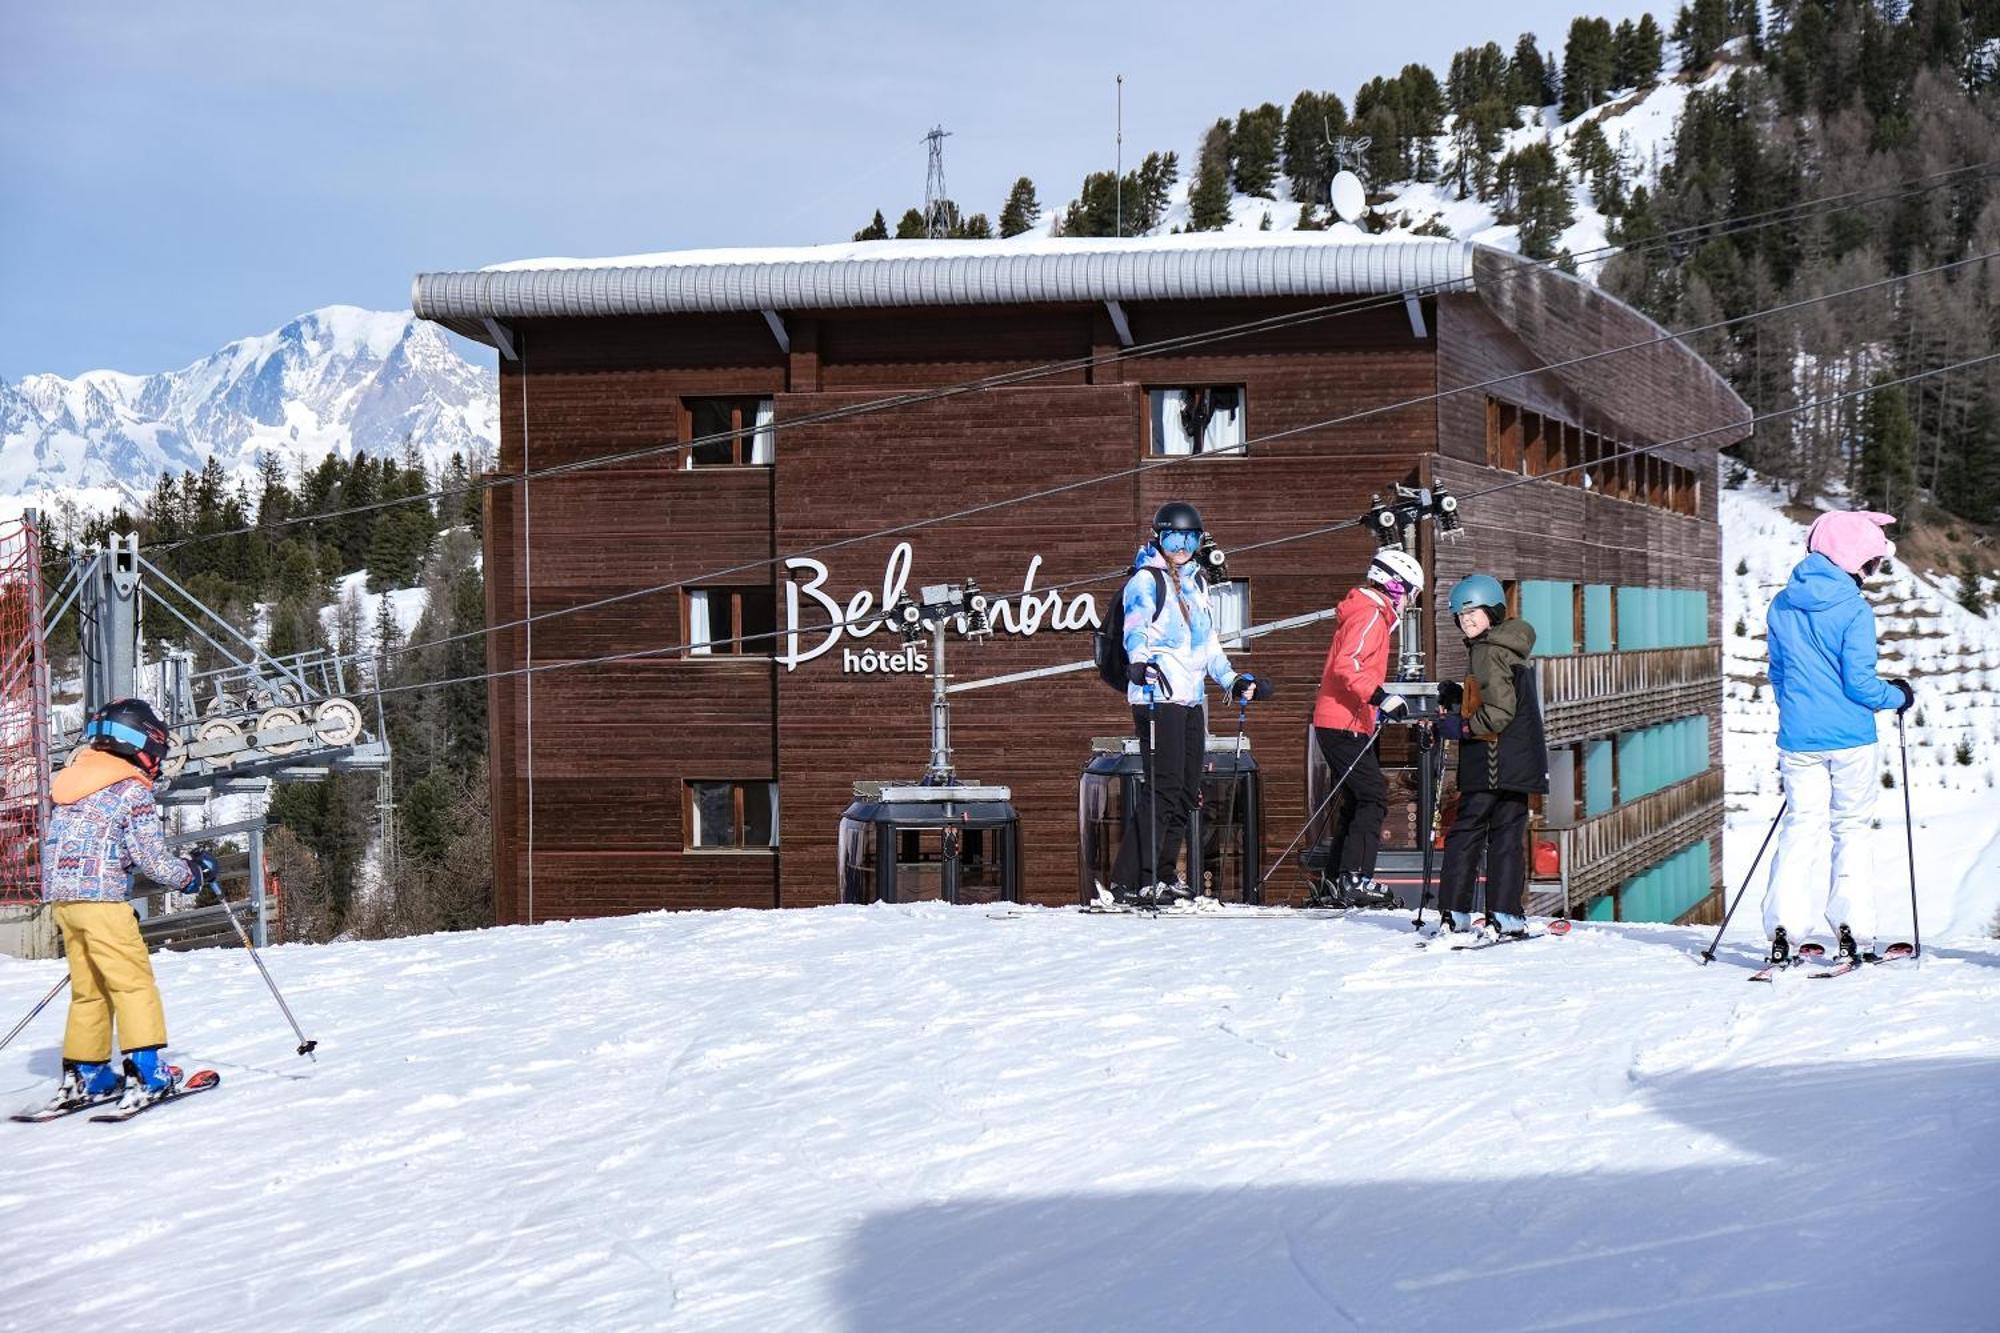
column 24, row 714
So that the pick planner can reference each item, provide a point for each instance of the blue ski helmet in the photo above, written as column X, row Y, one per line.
column 1478, row 590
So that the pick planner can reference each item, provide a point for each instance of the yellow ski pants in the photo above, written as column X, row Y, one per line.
column 110, row 977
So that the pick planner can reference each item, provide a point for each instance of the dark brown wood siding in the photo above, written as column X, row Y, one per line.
column 613, row 744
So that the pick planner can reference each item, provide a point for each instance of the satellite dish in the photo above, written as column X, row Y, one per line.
column 1350, row 201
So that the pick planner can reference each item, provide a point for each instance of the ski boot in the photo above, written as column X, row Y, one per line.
column 1511, row 925
column 1781, row 949
column 148, row 1078
column 88, row 1081
column 1362, row 891
column 1850, row 951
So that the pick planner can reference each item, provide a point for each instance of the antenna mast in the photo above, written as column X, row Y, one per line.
column 1118, row 172
column 936, row 223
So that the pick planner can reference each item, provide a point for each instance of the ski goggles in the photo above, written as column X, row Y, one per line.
column 1179, row 539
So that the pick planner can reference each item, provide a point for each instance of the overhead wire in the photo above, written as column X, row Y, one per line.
column 1154, row 464
column 641, row 654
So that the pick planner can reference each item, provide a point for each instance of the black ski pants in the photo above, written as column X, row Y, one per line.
column 1363, row 803
column 1173, row 779
column 1493, row 824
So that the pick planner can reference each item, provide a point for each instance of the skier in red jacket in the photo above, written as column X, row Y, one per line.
column 1348, row 712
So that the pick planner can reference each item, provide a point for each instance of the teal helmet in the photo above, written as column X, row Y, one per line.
column 1477, row 590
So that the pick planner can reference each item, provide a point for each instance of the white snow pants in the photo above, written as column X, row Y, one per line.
column 1825, row 791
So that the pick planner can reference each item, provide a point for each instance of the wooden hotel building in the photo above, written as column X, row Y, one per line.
column 707, row 762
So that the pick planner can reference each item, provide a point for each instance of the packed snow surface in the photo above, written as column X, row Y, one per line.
column 922, row 1118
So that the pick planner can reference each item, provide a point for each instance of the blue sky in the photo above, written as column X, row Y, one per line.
column 178, row 174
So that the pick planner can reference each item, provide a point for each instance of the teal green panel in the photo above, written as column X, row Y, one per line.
column 1597, row 618
column 1631, row 620
column 1596, row 777
column 1601, row 910
column 1551, row 608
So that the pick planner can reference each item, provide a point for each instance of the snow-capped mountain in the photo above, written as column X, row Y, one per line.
column 337, row 380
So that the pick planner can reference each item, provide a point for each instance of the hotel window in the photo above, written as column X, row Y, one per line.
column 1231, row 602
column 1198, row 419
column 731, row 815
column 732, row 621
column 736, row 432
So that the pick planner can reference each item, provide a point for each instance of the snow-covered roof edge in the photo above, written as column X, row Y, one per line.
column 881, row 274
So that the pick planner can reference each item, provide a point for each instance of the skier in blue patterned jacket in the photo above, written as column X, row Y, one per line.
column 103, row 826
column 1171, row 643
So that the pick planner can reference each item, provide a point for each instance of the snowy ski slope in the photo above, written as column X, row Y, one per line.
column 920, row 1118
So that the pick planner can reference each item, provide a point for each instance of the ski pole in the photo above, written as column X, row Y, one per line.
column 1235, row 776
column 1332, row 792
column 1708, row 954
column 1909, row 839
column 1430, row 773
column 1152, row 772
column 306, row 1047
column 54, row 991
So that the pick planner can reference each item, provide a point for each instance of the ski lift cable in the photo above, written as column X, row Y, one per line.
column 643, row 654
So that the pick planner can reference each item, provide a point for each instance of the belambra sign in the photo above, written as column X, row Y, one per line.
column 814, row 615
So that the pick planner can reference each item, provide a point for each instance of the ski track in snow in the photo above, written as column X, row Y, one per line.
column 920, row 1118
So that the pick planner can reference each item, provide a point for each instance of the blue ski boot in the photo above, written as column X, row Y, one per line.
column 151, row 1077
column 89, row 1081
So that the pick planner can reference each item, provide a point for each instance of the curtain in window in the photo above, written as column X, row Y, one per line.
column 1225, row 429
column 1232, row 608
column 1170, row 434
column 698, row 624
column 763, row 441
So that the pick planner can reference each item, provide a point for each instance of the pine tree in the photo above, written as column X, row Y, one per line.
column 910, row 227
column 1314, row 119
column 1700, row 29
column 1528, row 78
column 1589, row 59
column 1208, row 200
column 876, row 230
column 1644, row 58
column 1596, row 165
column 1253, row 150
column 1022, row 210
column 1888, row 463
column 1971, row 584
column 1534, row 196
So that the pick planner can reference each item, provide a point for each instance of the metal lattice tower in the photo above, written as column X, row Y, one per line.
column 937, row 222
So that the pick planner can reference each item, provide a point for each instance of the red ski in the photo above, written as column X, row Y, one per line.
column 199, row 1081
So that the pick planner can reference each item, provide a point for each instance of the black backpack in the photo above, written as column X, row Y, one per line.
column 1107, row 641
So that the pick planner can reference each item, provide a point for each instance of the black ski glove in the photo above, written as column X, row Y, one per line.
column 1392, row 706
column 1143, row 674
column 1451, row 695
column 1909, row 695
column 1239, row 691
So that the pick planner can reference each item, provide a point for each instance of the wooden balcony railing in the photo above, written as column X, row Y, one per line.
column 1596, row 694
column 1600, row 854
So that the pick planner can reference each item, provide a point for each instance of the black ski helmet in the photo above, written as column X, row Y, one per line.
column 1177, row 516
column 130, row 729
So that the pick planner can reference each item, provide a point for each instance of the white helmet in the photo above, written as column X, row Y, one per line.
column 1393, row 562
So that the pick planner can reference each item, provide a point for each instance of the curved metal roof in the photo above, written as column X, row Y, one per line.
column 890, row 274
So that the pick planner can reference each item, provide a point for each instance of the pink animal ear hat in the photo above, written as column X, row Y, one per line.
column 1851, row 539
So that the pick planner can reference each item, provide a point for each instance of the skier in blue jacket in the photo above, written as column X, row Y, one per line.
column 1821, row 635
